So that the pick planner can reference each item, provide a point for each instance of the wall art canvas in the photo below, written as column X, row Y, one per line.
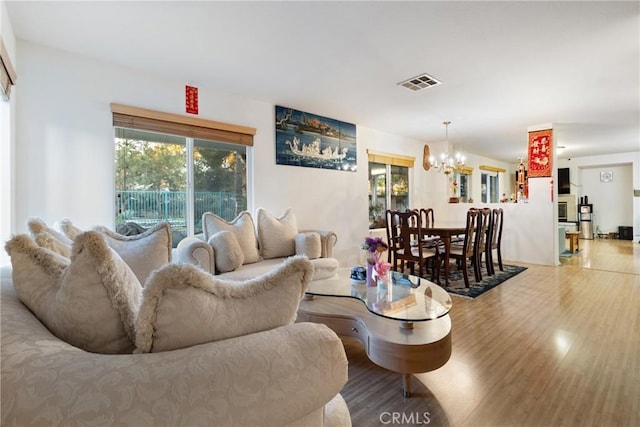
column 540, row 158
column 309, row 140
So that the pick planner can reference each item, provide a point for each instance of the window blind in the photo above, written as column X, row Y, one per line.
column 128, row 117
column 7, row 73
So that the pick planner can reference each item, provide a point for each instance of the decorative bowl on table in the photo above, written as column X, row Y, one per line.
column 358, row 274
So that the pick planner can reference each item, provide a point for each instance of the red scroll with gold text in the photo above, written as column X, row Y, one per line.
column 540, row 158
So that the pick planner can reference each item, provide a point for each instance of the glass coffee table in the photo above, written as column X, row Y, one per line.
column 401, row 297
column 404, row 325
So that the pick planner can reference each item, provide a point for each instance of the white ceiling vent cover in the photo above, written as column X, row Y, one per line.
column 420, row 82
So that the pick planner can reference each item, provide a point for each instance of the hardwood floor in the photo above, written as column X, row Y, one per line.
column 553, row 346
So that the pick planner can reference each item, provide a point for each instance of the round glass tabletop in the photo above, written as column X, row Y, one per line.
column 401, row 297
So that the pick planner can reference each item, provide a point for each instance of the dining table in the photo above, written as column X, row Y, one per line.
column 445, row 233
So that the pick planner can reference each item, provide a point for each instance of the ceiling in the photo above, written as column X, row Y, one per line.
column 503, row 66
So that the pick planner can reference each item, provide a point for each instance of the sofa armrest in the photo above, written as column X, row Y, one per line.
column 328, row 240
column 192, row 250
column 270, row 378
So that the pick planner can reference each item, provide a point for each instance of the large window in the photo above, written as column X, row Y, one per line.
column 388, row 186
column 462, row 186
column 490, row 187
column 175, row 178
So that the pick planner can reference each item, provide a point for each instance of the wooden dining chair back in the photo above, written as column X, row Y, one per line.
column 466, row 254
column 410, row 250
column 426, row 217
column 393, row 233
column 484, row 233
column 427, row 221
column 495, row 240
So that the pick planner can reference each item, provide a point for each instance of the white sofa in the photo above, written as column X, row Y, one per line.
column 263, row 371
column 266, row 242
column 286, row 376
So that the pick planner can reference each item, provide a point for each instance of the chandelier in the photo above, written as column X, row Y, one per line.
column 447, row 163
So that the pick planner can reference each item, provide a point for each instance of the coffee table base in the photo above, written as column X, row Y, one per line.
column 423, row 348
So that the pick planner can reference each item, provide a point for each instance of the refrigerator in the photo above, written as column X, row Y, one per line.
column 585, row 216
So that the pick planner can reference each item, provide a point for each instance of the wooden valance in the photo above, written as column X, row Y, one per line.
column 467, row 170
column 390, row 159
column 491, row 168
column 175, row 124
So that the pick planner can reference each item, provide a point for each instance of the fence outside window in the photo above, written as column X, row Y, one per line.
column 148, row 207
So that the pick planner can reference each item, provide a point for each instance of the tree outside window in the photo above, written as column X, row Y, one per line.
column 153, row 172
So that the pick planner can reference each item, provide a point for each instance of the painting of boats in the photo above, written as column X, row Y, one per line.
column 309, row 140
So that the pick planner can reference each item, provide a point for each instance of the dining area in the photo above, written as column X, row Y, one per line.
column 421, row 246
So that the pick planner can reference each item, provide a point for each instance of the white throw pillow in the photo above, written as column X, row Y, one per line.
column 144, row 252
column 184, row 306
column 89, row 301
column 276, row 236
column 226, row 251
column 309, row 244
column 242, row 226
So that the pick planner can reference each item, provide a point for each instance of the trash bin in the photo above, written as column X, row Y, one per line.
column 625, row 233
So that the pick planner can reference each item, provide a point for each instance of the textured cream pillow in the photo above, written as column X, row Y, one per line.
column 242, row 226
column 276, row 236
column 89, row 301
column 309, row 244
column 183, row 306
column 226, row 251
column 144, row 252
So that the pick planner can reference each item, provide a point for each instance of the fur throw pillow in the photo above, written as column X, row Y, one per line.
column 144, row 252
column 183, row 306
column 37, row 225
column 89, row 301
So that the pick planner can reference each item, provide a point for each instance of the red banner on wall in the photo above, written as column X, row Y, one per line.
column 191, row 99
column 540, row 158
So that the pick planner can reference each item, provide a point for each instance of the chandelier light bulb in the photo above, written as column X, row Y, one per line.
column 448, row 163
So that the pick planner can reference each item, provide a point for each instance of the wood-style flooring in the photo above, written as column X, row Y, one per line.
column 553, row 346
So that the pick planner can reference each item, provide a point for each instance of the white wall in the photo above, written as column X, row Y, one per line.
column 64, row 157
column 613, row 203
column 65, row 148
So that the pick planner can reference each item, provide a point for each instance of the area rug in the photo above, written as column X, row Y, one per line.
column 374, row 395
column 456, row 280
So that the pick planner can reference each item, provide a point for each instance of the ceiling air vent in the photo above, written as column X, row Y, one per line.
column 420, row 82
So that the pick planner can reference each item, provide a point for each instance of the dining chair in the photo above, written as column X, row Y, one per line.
column 466, row 254
column 495, row 240
column 392, row 235
column 484, row 230
column 426, row 220
column 409, row 249
column 426, row 216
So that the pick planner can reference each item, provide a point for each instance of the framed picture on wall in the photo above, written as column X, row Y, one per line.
column 606, row 176
column 309, row 140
